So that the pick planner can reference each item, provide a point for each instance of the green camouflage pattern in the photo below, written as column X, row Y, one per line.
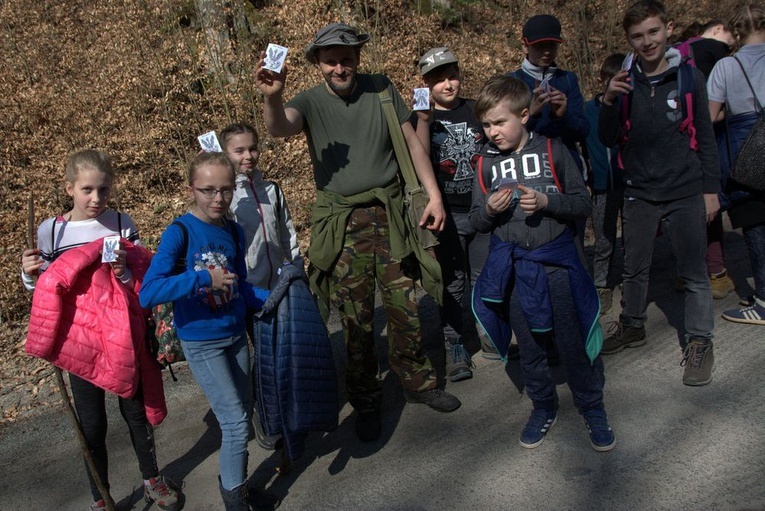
column 365, row 261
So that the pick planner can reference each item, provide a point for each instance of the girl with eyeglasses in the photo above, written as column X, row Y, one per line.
column 199, row 266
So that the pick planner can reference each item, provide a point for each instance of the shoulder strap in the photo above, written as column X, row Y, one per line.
column 396, row 135
column 552, row 165
column 481, row 177
column 686, row 88
column 234, row 234
column 757, row 103
column 180, row 263
column 53, row 239
column 119, row 223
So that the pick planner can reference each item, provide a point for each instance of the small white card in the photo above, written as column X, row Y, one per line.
column 111, row 243
column 209, row 142
column 275, row 57
column 627, row 62
column 421, row 99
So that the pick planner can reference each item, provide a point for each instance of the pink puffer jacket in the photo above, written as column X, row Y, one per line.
column 85, row 321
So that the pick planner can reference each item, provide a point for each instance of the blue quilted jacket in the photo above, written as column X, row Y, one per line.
column 493, row 289
column 294, row 371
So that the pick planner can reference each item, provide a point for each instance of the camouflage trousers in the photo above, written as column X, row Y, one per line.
column 366, row 260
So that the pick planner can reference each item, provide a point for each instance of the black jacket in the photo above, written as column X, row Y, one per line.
column 659, row 164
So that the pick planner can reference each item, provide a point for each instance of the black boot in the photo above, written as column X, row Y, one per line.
column 237, row 499
column 242, row 498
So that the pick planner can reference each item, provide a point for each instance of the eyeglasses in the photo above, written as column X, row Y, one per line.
column 210, row 193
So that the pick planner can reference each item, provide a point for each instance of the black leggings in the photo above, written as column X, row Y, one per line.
column 89, row 401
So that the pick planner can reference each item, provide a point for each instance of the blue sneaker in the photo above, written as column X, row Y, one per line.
column 538, row 425
column 753, row 315
column 601, row 435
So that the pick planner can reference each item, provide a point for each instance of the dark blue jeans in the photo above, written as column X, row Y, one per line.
column 89, row 401
column 684, row 221
column 755, row 243
column 461, row 249
column 605, row 218
column 585, row 380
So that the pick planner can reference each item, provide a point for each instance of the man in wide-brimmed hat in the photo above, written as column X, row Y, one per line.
column 358, row 238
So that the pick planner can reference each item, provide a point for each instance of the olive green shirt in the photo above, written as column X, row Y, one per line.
column 348, row 138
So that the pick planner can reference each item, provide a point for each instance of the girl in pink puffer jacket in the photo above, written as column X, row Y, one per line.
column 70, row 341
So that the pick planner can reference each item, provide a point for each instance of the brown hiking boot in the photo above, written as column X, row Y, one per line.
column 721, row 285
column 699, row 362
column 622, row 337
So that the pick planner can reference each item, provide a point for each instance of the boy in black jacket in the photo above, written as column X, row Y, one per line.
column 671, row 178
column 528, row 193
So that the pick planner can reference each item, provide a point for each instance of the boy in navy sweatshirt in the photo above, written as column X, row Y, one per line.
column 671, row 179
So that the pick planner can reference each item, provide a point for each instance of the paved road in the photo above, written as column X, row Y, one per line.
column 677, row 447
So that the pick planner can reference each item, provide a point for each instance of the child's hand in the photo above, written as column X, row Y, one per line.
column 222, row 280
column 532, row 200
column 499, row 201
column 539, row 99
column 619, row 84
column 558, row 102
column 119, row 266
column 31, row 262
column 711, row 205
column 268, row 82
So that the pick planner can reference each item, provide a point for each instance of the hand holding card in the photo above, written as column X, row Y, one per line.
column 209, row 142
column 275, row 57
column 109, row 252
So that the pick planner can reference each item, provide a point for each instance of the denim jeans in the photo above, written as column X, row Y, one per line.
column 684, row 221
column 605, row 216
column 222, row 369
column 754, row 237
column 585, row 380
column 91, row 411
column 460, row 248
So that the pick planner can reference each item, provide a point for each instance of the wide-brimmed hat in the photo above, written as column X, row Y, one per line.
column 335, row 34
column 434, row 58
column 542, row 27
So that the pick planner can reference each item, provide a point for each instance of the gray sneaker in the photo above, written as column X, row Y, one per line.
column 488, row 350
column 622, row 337
column 437, row 399
column 606, row 300
column 458, row 361
column 699, row 362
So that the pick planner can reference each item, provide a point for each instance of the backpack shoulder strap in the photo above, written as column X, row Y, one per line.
column 180, row 263
column 119, row 223
column 686, row 88
column 481, row 175
column 749, row 83
column 551, row 159
column 234, row 234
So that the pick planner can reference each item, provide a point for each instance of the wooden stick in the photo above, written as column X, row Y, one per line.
column 31, row 221
column 110, row 506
